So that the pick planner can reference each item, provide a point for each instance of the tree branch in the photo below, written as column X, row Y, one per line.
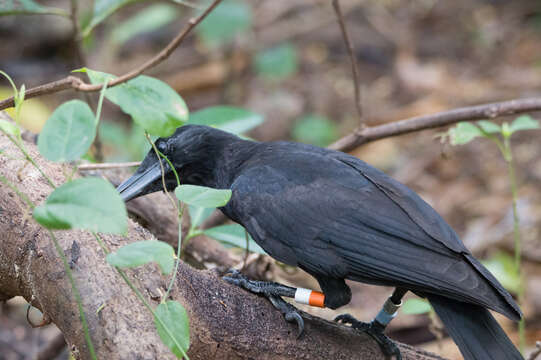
column 225, row 321
column 362, row 136
column 72, row 82
column 354, row 66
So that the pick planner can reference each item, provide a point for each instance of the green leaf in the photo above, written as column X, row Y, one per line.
column 233, row 235
column 90, row 204
column 27, row 7
column 142, row 252
column 502, row 266
column 489, row 127
column 199, row 214
column 152, row 104
column 278, row 62
column 524, row 122
column 227, row 118
column 68, row 133
column 103, row 9
column 416, row 306
column 176, row 333
column 203, row 196
column 315, row 130
column 9, row 128
column 228, row 19
column 147, row 20
column 463, row 133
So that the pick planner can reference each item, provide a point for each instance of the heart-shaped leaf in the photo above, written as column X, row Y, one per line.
column 199, row 214
column 463, row 133
column 202, row 196
column 142, row 252
column 68, row 133
column 150, row 102
column 90, row 203
column 173, row 326
column 524, row 122
column 233, row 235
column 489, row 127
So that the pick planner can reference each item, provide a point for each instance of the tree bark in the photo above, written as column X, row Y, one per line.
column 225, row 322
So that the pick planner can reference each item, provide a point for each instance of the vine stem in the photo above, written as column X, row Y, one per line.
column 140, row 295
column 505, row 149
column 517, row 240
column 177, row 205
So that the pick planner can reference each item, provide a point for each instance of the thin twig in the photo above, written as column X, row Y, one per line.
column 78, row 84
column 104, row 166
column 354, row 65
column 470, row 113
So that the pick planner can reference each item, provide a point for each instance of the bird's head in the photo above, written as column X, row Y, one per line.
column 193, row 150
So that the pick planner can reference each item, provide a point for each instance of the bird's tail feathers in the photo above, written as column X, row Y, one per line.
column 475, row 331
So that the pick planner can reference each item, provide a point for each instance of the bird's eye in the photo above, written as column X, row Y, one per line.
column 162, row 146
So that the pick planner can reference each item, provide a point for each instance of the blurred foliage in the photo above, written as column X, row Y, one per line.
column 227, row 118
column 103, row 9
column 502, row 266
column 278, row 62
column 464, row 132
column 228, row 19
column 33, row 114
column 147, row 20
column 13, row 7
column 125, row 145
column 234, row 235
column 416, row 306
column 316, row 130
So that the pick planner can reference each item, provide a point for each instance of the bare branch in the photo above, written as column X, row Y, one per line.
column 486, row 111
column 77, row 84
column 354, row 65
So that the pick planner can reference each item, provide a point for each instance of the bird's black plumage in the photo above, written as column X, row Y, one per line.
column 338, row 218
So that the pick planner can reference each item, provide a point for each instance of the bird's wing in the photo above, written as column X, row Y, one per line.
column 334, row 216
column 422, row 214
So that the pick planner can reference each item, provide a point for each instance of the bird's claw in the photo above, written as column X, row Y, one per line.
column 270, row 291
column 289, row 311
column 375, row 330
column 350, row 320
column 240, row 280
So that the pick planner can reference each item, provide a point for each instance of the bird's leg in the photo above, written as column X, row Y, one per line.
column 376, row 327
column 274, row 292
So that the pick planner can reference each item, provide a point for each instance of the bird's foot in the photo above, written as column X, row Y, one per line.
column 272, row 291
column 375, row 330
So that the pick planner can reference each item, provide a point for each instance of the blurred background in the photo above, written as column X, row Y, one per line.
column 286, row 60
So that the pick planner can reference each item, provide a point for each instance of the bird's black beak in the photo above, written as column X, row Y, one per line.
column 140, row 183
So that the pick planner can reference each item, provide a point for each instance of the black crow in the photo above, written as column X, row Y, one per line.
column 338, row 218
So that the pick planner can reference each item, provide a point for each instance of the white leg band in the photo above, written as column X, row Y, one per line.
column 303, row 296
